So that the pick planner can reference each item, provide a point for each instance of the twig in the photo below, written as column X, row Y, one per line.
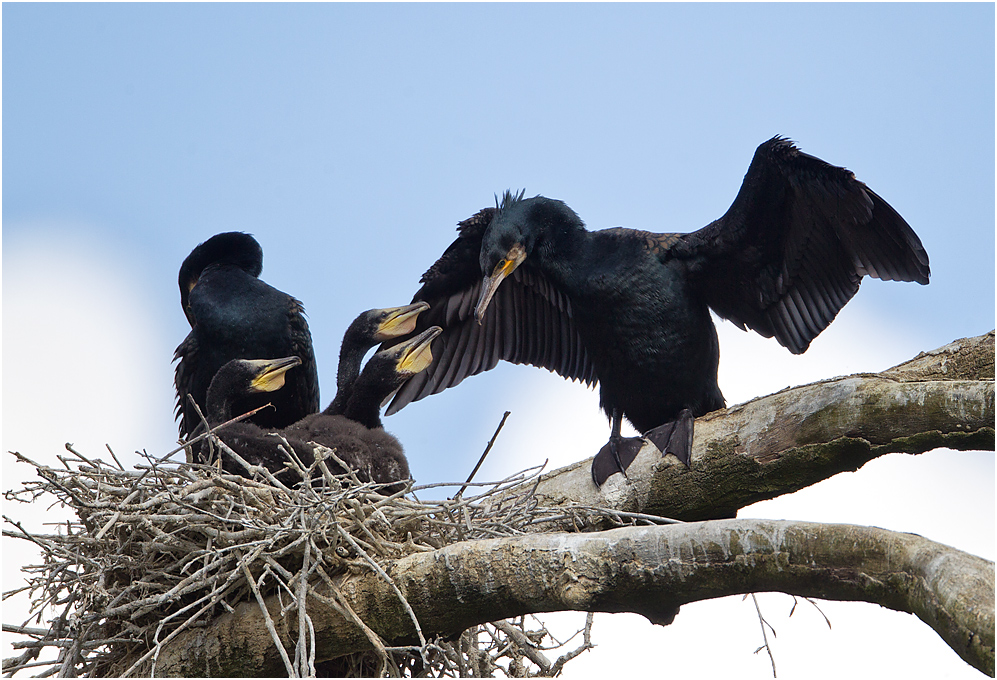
column 762, row 622
column 204, row 435
column 380, row 572
column 586, row 644
column 269, row 623
column 531, row 652
column 481, row 460
column 814, row 605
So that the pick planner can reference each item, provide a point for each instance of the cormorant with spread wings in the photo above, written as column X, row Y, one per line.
column 525, row 282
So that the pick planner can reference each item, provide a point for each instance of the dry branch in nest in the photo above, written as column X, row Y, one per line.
column 168, row 547
column 178, row 568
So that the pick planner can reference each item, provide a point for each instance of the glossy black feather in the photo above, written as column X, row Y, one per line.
column 630, row 309
column 233, row 315
column 792, row 248
column 530, row 321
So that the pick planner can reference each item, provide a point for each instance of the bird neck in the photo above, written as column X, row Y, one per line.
column 375, row 383
column 560, row 242
column 365, row 411
column 350, row 357
column 219, row 400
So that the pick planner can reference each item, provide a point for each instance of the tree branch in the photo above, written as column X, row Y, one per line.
column 761, row 449
column 646, row 570
column 786, row 441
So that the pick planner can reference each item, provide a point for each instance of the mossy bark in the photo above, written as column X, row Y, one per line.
column 786, row 441
column 647, row 570
column 761, row 449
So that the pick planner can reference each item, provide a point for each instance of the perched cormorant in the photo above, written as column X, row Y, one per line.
column 527, row 283
column 234, row 315
column 356, row 436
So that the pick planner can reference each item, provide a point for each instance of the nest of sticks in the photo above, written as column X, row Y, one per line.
column 168, row 546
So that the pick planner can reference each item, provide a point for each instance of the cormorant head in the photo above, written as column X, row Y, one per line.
column 242, row 377
column 506, row 243
column 260, row 375
column 409, row 357
column 232, row 247
column 519, row 227
column 384, row 374
column 379, row 325
column 389, row 368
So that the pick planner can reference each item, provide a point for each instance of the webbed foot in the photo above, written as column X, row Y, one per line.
column 675, row 437
column 615, row 456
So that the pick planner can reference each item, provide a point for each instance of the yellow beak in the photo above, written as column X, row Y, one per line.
column 271, row 376
column 399, row 321
column 416, row 354
column 490, row 284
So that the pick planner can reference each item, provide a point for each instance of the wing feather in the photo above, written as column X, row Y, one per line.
column 793, row 247
column 529, row 321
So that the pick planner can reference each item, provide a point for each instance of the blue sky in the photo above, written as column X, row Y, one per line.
column 350, row 139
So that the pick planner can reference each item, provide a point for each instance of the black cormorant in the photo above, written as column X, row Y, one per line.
column 235, row 315
column 356, row 436
column 527, row 283
column 257, row 445
column 239, row 378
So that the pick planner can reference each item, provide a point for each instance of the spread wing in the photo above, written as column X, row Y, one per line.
column 792, row 248
column 528, row 321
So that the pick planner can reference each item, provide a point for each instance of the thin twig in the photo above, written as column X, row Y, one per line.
column 491, row 442
column 762, row 622
column 269, row 623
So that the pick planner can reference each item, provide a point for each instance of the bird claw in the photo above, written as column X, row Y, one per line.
column 675, row 437
column 615, row 456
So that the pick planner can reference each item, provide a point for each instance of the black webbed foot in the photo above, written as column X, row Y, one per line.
column 615, row 456
column 675, row 437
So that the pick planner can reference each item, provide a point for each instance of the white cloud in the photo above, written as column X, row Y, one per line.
column 79, row 353
column 83, row 363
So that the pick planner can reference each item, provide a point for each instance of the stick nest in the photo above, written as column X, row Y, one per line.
column 169, row 546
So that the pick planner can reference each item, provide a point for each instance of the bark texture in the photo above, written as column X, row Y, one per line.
column 753, row 451
column 646, row 570
column 786, row 441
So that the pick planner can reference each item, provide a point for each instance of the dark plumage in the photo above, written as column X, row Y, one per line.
column 525, row 282
column 241, row 377
column 234, row 315
column 356, row 435
column 370, row 328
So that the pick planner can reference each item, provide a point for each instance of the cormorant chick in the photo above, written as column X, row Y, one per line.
column 370, row 328
column 356, row 436
column 527, row 283
column 235, row 315
column 241, row 377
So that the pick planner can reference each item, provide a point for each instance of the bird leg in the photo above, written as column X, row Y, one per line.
column 617, row 455
column 675, row 437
